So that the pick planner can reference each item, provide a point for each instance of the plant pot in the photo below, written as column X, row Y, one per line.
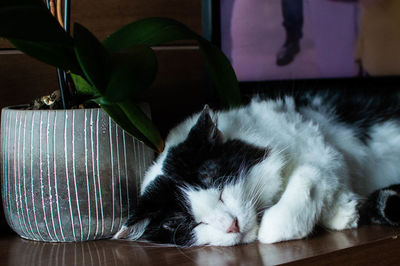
column 68, row 175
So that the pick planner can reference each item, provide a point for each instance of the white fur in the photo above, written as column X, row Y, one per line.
column 132, row 232
column 316, row 172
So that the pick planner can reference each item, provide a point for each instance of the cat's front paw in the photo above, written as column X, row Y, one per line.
column 279, row 225
column 343, row 214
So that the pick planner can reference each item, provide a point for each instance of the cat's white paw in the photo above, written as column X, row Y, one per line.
column 279, row 225
column 345, row 216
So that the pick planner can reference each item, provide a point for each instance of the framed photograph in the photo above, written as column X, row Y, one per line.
column 297, row 43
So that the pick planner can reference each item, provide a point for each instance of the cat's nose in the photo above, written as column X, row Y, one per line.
column 234, row 227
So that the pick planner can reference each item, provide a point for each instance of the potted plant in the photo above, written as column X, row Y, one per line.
column 76, row 180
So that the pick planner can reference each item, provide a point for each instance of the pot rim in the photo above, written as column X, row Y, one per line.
column 21, row 107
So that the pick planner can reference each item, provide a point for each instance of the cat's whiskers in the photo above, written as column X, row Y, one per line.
column 255, row 192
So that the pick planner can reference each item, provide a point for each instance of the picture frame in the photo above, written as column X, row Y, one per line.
column 213, row 21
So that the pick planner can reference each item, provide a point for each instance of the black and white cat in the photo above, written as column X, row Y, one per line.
column 271, row 171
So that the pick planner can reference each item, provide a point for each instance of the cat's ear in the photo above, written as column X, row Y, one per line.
column 133, row 229
column 206, row 128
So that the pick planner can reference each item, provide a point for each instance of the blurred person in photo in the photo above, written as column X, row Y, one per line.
column 292, row 12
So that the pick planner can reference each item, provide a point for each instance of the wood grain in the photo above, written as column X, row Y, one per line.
column 384, row 252
column 372, row 245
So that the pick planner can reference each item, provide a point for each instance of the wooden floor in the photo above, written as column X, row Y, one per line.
column 366, row 246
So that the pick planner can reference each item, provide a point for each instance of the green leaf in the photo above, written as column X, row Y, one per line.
column 132, row 119
column 92, row 57
column 143, row 124
column 155, row 31
column 83, row 87
column 149, row 31
column 132, row 71
column 53, row 54
column 30, row 27
column 31, row 22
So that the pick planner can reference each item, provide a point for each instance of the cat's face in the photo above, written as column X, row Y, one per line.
column 201, row 198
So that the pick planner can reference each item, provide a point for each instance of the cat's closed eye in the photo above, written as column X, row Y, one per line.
column 220, row 196
column 171, row 225
column 200, row 223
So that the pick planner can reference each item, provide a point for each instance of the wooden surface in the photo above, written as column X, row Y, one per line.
column 366, row 246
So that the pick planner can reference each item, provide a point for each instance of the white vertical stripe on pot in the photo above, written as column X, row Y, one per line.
column 112, row 173
column 11, row 171
column 24, row 175
column 74, row 173
column 136, row 160
column 119, row 176
column 49, row 175
column 140, row 159
column 4, row 173
column 3, row 164
column 18, row 209
column 6, row 166
column 15, row 177
column 98, row 173
column 41, row 175
column 67, row 174
column 126, row 172
column 87, row 174
column 94, row 172
column 142, row 163
column 55, row 176
column 32, row 184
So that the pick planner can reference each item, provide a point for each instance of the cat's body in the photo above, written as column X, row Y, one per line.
column 271, row 170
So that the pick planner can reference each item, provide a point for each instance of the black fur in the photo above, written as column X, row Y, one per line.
column 387, row 212
column 170, row 222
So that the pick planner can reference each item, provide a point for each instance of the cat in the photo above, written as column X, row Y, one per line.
column 272, row 171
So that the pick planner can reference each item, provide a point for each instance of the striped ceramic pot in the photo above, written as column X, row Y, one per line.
column 68, row 175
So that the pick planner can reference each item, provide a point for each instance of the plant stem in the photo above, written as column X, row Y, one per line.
column 63, row 88
column 62, row 75
column 67, row 15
